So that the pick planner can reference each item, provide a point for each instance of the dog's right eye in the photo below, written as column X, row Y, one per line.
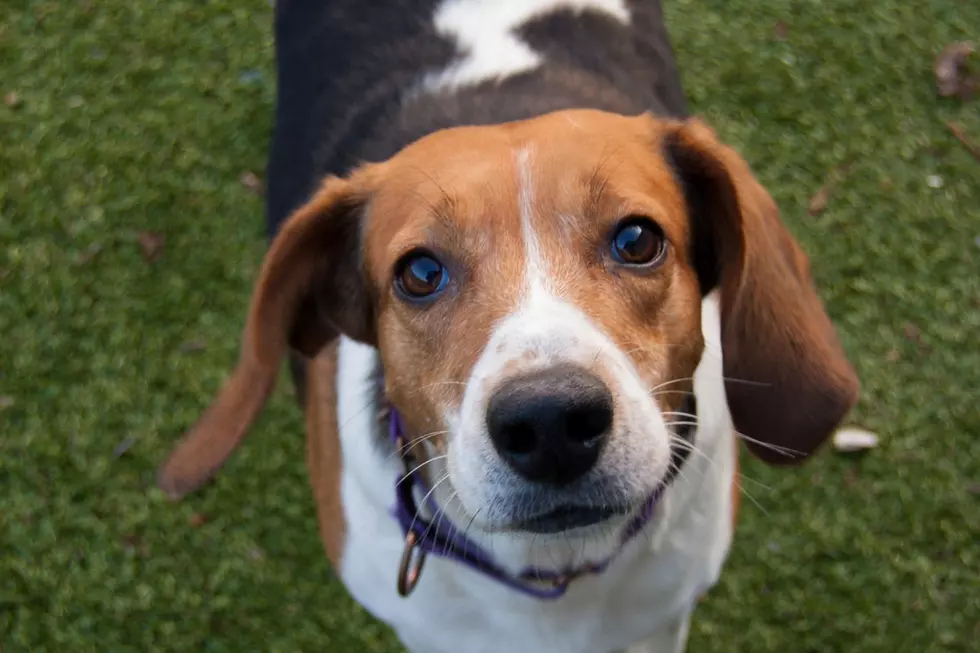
column 638, row 242
column 419, row 275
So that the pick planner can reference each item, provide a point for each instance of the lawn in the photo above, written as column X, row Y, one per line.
column 132, row 138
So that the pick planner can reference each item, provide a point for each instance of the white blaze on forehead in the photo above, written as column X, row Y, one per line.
column 485, row 33
column 536, row 266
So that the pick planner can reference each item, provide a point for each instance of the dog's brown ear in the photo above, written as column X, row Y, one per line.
column 787, row 379
column 310, row 289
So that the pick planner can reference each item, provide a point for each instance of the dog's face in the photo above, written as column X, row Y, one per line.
column 538, row 311
column 534, row 290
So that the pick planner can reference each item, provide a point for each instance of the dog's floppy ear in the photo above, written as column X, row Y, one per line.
column 311, row 288
column 788, row 382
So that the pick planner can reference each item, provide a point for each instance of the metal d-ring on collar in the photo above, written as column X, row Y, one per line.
column 441, row 538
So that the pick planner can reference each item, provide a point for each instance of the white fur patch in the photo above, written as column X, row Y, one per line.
column 485, row 31
column 536, row 266
column 641, row 602
column 547, row 331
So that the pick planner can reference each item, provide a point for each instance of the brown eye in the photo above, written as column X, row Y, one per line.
column 638, row 242
column 420, row 275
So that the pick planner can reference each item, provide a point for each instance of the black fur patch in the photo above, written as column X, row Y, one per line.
column 345, row 69
column 699, row 194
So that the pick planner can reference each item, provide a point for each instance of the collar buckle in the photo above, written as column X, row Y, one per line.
column 410, row 567
column 413, row 555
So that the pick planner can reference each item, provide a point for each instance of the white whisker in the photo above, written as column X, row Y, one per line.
column 694, row 449
column 786, row 451
column 679, row 412
column 438, row 524
column 417, row 441
column 417, row 468
column 669, row 392
column 369, row 404
column 671, row 382
column 421, row 504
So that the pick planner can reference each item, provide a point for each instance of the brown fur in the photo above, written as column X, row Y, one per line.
column 323, row 455
column 788, row 382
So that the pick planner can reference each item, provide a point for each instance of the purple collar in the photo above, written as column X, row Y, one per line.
column 441, row 538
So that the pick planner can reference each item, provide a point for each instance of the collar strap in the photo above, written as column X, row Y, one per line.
column 440, row 537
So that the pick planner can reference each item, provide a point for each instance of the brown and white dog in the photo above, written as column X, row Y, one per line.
column 495, row 219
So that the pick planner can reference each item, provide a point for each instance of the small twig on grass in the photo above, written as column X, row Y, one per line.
column 820, row 199
column 961, row 137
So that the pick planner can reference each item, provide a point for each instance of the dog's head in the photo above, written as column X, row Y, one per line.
column 534, row 290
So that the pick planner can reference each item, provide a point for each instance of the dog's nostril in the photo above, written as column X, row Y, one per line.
column 520, row 438
column 588, row 424
column 550, row 425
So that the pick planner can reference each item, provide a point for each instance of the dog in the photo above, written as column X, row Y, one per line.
column 529, row 304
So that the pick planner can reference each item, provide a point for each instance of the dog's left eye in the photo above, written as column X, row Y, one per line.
column 419, row 275
column 638, row 242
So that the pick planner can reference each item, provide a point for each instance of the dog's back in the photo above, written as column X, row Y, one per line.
column 360, row 80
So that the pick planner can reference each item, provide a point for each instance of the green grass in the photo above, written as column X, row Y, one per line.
column 142, row 116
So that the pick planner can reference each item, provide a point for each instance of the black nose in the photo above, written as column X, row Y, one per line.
column 550, row 425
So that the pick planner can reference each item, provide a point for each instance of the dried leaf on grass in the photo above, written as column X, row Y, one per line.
column 11, row 99
column 151, row 245
column 251, row 182
column 197, row 520
column 961, row 137
column 135, row 542
column 88, row 254
column 124, row 446
column 192, row 346
column 820, row 199
column 953, row 77
column 780, row 30
column 912, row 333
column 853, row 439
column 6, row 402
